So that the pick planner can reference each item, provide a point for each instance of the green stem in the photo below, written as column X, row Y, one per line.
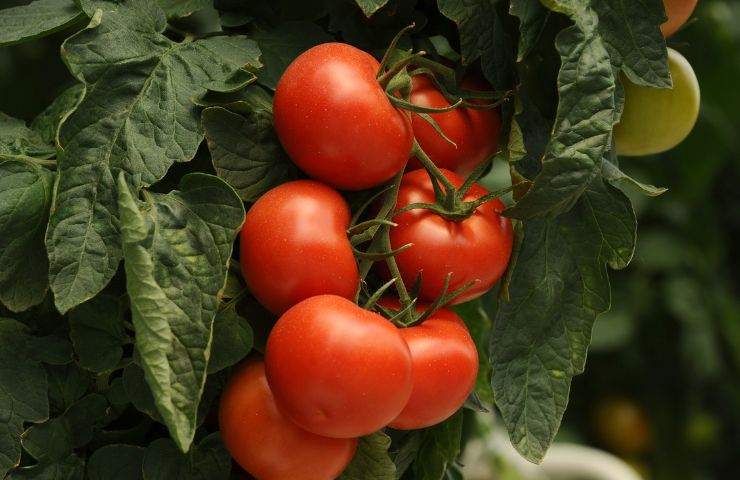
column 38, row 161
column 430, row 167
column 391, row 47
column 386, row 77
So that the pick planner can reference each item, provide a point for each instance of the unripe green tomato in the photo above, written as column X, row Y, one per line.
column 656, row 120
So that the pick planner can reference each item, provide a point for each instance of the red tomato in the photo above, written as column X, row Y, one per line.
column 336, row 369
column 474, row 249
column 335, row 121
column 268, row 445
column 678, row 12
column 445, row 366
column 294, row 245
column 475, row 132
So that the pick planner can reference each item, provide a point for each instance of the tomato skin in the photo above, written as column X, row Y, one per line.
column 338, row 370
column 268, row 445
column 294, row 245
column 622, row 426
column 678, row 13
column 445, row 366
column 475, row 132
column 335, row 121
column 475, row 249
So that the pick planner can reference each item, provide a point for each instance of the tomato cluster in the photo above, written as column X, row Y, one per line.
column 334, row 371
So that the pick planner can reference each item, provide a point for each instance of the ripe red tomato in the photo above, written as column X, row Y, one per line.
column 445, row 366
column 268, row 445
column 336, row 369
column 475, row 132
column 678, row 12
column 294, row 245
column 335, row 121
column 474, row 249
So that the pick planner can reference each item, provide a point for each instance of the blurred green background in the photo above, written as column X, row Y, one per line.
column 662, row 385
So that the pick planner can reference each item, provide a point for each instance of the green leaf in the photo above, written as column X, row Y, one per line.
column 631, row 32
column 479, row 324
column 246, row 152
column 406, row 452
column 370, row 6
column 176, row 255
column 583, row 123
column 71, row 468
column 558, row 287
column 621, row 180
column 208, row 460
column 183, row 8
column 17, row 140
column 440, row 447
column 532, row 18
column 137, row 117
column 67, row 384
column 138, row 391
column 25, row 200
column 116, row 462
column 23, row 396
column 96, row 329
column 47, row 123
column 371, row 462
column 283, row 44
column 232, row 340
column 37, row 19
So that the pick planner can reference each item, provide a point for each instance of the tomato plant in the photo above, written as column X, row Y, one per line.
column 335, row 121
column 678, row 12
column 656, row 120
column 294, row 245
column 268, row 445
column 169, row 128
column 336, row 369
column 474, row 250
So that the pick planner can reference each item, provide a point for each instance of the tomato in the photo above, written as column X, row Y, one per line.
column 622, row 426
column 268, row 445
column 336, row 369
column 474, row 249
column 445, row 366
column 656, row 120
column 475, row 132
column 294, row 245
column 335, row 121
column 678, row 12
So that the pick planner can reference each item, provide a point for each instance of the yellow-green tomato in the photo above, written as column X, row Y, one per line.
column 654, row 119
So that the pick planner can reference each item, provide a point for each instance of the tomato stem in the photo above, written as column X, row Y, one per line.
column 392, row 47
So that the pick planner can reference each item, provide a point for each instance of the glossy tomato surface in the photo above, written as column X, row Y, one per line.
column 474, row 249
column 294, row 245
column 335, row 121
column 336, row 369
column 475, row 132
column 268, row 445
column 445, row 366
column 678, row 13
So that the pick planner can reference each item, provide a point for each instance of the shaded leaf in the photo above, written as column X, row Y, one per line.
column 371, row 462
column 208, row 460
column 17, row 140
column 370, row 6
column 183, row 8
column 440, row 447
column 47, row 123
column 37, row 19
column 176, row 255
column 624, row 182
column 532, row 18
column 232, row 340
column 96, row 329
column 116, row 462
column 25, row 200
column 479, row 324
column 71, row 468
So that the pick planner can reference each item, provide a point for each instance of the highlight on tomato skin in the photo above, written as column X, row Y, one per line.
column 336, row 369
column 475, row 132
column 445, row 367
column 678, row 13
column 476, row 249
column 335, row 120
column 293, row 245
column 268, row 445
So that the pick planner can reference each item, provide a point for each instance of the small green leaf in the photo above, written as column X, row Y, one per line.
column 370, row 6
column 246, row 152
column 283, row 44
column 479, row 324
column 371, row 462
column 621, row 180
column 67, row 384
column 176, row 250
column 37, row 19
column 532, row 19
column 208, row 460
column 47, row 123
column 116, row 462
column 232, row 340
column 440, row 447
column 96, row 329
column 25, row 200
column 17, row 140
